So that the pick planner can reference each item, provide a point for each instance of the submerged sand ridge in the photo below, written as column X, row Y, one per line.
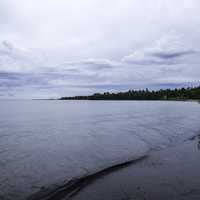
column 170, row 174
column 167, row 174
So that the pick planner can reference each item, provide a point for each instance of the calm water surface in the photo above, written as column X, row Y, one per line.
column 47, row 142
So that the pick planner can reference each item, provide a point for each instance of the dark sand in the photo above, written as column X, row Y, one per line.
column 170, row 174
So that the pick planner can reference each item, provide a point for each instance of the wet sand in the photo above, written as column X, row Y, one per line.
column 170, row 174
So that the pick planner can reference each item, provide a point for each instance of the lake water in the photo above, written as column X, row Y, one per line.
column 43, row 143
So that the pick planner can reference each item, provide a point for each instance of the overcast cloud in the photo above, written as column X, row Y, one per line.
column 53, row 48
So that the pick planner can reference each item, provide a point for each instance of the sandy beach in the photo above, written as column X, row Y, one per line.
column 172, row 173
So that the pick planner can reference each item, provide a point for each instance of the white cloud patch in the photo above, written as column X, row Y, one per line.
column 14, row 59
column 169, row 50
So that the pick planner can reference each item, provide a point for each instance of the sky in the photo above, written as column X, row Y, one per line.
column 54, row 48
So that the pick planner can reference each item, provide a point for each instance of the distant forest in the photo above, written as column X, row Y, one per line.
column 163, row 94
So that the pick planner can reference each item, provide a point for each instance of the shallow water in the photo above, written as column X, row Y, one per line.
column 47, row 142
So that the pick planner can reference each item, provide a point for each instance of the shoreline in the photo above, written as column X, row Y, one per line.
column 163, row 100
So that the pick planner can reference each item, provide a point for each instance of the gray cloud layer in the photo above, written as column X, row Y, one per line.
column 51, row 48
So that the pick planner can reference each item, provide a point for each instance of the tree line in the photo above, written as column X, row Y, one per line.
column 162, row 94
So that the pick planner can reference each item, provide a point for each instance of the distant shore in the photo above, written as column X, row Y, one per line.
column 178, row 94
